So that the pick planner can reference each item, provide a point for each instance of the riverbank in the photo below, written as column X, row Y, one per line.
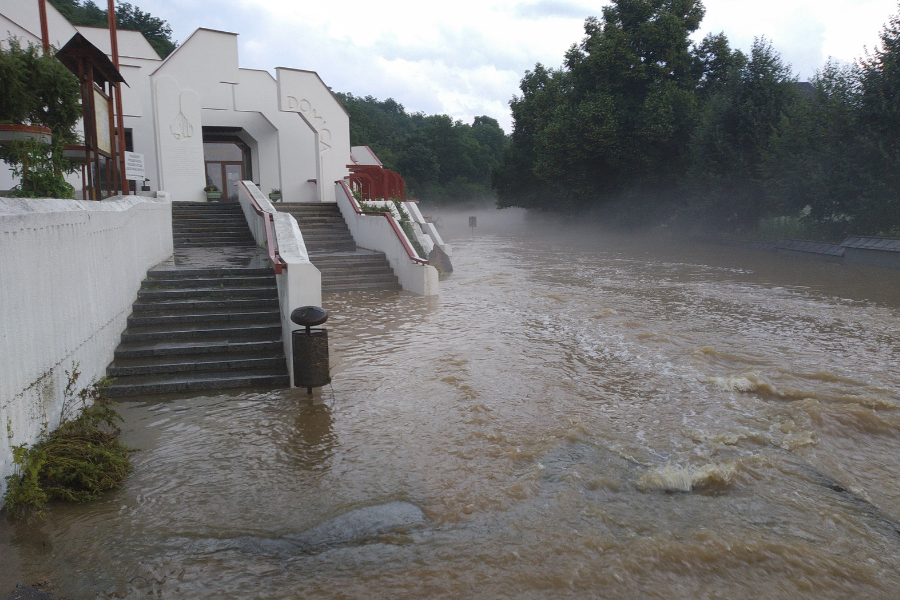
column 875, row 251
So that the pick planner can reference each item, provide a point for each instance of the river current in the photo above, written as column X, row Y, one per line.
column 579, row 415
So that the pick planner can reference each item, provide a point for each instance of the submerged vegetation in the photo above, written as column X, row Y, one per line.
column 79, row 461
column 650, row 128
column 442, row 160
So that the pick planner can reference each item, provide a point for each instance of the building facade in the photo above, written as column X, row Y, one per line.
column 199, row 119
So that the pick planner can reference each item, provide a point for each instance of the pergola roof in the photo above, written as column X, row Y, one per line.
column 78, row 48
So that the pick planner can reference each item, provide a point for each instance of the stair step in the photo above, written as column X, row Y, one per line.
column 198, row 244
column 197, row 381
column 214, row 227
column 165, row 318
column 344, row 281
column 183, row 364
column 190, row 305
column 210, row 293
column 351, row 259
column 197, row 347
column 240, row 330
column 210, row 273
column 213, row 237
column 361, row 286
column 209, row 282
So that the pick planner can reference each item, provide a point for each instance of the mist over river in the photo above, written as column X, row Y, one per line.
column 579, row 415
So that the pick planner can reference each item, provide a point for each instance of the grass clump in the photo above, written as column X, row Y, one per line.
column 79, row 461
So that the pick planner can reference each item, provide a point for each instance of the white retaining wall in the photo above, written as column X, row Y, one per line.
column 427, row 228
column 375, row 233
column 300, row 282
column 69, row 273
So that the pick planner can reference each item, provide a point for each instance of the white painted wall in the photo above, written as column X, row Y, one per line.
column 305, row 94
column 22, row 19
column 69, row 275
column 293, row 149
column 376, row 233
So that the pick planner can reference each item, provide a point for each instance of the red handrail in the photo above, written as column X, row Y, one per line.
column 269, row 221
column 400, row 235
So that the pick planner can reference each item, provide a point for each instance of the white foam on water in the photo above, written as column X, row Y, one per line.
column 671, row 478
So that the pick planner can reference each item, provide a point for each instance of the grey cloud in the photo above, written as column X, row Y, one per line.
column 801, row 41
column 553, row 8
column 464, row 48
column 265, row 42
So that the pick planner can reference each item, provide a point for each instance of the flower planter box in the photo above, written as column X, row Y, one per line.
column 75, row 153
column 275, row 197
column 213, row 196
column 15, row 133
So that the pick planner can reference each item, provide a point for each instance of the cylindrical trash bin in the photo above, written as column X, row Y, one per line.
column 310, row 358
column 310, row 348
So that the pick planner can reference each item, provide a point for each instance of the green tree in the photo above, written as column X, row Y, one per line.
column 815, row 160
column 877, row 207
column 616, row 120
column 515, row 179
column 441, row 159
column 36, row 89
column 734, row 137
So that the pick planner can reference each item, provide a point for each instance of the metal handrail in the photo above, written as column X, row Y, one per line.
column 271, row 241
column 396, row 227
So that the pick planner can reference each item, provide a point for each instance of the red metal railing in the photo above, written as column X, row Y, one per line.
column 373, row 182
column 387, row 215
column 269, row 221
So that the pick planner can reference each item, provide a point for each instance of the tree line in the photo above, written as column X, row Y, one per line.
column 441, row 159
column 650, row 128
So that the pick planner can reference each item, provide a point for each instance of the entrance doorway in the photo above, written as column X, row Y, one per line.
column 227, row 163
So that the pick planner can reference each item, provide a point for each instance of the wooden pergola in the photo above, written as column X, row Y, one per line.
column 104, row 133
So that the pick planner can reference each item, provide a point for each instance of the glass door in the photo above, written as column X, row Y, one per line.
column 226, row 165
column 233, row 174
column 214, row 175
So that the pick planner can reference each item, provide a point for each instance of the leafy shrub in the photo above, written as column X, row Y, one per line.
column 79, row 461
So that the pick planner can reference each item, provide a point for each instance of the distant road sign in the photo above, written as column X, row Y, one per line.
column 134, row 166
column 473, row 222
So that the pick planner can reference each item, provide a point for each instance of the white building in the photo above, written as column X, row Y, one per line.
column 199, row 119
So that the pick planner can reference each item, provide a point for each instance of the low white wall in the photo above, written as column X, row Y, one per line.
column 376, row 233
column 427, row 228
column 69, row 273
column 300, row 282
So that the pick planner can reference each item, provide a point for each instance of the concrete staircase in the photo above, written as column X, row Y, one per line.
column 210, row 224
column 202, row 321
column 332, row 250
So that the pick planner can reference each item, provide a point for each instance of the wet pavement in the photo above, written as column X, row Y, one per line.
column 215, row 258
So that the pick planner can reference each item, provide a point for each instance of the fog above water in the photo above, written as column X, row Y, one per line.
column 593, row 234
column 581, row 414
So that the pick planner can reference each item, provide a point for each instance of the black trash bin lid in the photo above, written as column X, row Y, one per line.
column 307, row 316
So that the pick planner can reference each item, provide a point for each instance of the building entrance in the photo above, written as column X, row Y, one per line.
column 227, row 163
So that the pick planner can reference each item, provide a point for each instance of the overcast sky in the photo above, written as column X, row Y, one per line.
column 466, row 57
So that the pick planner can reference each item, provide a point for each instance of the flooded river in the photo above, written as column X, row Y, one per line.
column 577, row 416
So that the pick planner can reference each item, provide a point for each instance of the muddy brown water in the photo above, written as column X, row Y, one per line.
column 578, row 416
